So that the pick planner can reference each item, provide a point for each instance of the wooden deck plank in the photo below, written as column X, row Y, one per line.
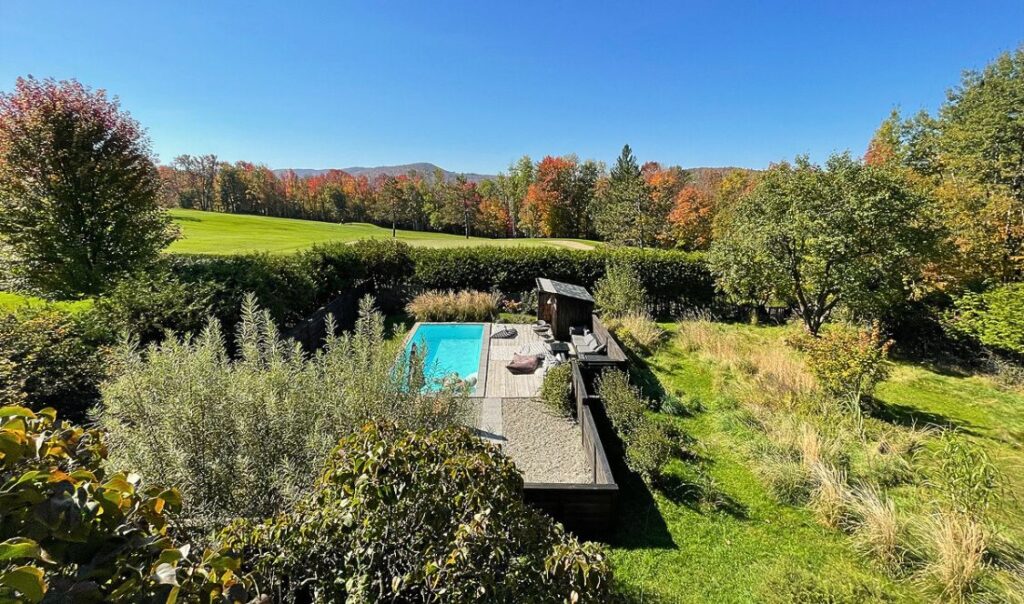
column 499, row 381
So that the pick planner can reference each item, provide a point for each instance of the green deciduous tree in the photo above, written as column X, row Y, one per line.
column 817, row 237
column 78, row 188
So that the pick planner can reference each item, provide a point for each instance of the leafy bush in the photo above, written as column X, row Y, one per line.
column 638, row 332
column 73, row 532
column 149, row 305
column 649, row 449
column 417, row 517
column 995, row 318
column 649, row 444
column 623, row 403
column 184, row 413
column 673, row 279
column 620, row 292
column 556, row 390
column 454, row 306
column 47, row 361
column 847, row 362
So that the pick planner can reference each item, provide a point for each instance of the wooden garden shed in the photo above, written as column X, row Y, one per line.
column 564, row 306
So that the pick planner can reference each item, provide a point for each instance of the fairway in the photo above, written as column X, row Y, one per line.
column 219, row 233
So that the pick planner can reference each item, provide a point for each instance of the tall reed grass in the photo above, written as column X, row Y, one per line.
column 467, row 305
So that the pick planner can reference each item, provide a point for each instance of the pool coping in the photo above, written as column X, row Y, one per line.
column 485, row 350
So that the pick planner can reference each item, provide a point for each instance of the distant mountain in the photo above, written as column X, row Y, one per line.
column 703, row 177
column 423, row 168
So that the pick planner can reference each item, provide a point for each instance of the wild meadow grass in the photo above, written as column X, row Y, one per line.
column 791, row 457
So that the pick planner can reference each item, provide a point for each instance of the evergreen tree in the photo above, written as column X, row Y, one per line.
column 626, row 211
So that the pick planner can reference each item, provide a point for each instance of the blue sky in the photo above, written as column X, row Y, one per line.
column 471, row 86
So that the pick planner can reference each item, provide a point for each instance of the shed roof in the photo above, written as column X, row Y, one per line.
column 568, row 290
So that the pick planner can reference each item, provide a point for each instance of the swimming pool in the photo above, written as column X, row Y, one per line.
column 452, row 348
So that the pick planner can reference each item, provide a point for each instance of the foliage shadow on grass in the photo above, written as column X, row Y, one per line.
column 912, row 417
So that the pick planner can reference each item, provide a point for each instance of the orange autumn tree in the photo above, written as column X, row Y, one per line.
column 545, row 211
column 664, row 185
column 691, row 217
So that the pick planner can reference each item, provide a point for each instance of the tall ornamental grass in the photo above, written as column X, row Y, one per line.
column 246, row 437
column 454, row 306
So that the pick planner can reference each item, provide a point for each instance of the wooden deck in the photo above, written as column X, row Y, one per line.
column 499, row 382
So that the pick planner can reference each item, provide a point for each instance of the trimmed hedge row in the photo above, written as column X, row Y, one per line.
column 292, row 287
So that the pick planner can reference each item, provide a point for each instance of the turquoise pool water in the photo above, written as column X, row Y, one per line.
column 452, row 348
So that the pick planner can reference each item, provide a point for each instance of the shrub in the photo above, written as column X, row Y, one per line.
column 848, row 363
column 620, row 292
column 184, row 413
column 638, row 332
column 47, row 361
column 74, row 532
column 674, row 280
column 649, row 449
column 417, row 517
column 556, row 390
column 291, row 287
column 623, row 403
column 649, row 445
column 149, row 305
column 995, row 318
column 454, row 306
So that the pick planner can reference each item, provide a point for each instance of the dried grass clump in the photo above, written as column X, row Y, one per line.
column 698, row 333
column 468, row 305
column 831, row 495
column 878, row 529
column 955, row 546
column 638, row 332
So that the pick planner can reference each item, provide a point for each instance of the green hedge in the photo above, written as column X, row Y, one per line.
column 292, row 287
column 671, row 278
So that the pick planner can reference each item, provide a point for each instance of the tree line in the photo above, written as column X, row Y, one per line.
column 646, row 205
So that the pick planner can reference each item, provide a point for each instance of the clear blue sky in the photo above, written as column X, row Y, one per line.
column 471, row 86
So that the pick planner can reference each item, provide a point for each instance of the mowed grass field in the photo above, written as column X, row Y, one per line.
column 219, row 233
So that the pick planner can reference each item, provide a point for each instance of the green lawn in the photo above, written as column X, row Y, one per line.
column 13, row 301
column 219, row 233
column 755, row 549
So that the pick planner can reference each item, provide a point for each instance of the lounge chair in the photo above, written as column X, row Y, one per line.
column 589, row 345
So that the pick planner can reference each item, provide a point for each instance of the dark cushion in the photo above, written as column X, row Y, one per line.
column 523, row 364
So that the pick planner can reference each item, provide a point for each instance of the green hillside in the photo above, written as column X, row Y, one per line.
column 219, row 233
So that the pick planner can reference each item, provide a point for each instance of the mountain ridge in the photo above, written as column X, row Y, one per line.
column 423, row 168
column 700, row 175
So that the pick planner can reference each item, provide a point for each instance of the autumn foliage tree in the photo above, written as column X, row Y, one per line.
column 691, row 217
column 78, row 188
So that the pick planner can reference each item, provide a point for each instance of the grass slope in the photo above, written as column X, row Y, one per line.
column 755, row 549
column 219, row 233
